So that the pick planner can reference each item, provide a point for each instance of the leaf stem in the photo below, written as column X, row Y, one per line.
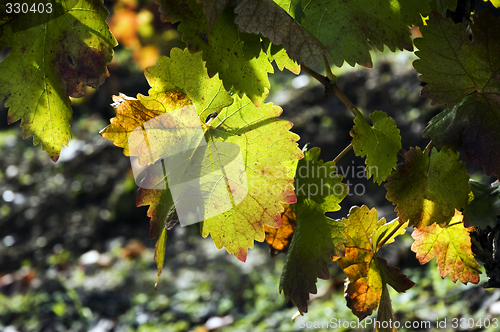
column 320, row 78
column 428, row 147
column 329, row 73
column 331, row 87
column 341, row 154
column 343, row 98
column 381, row 243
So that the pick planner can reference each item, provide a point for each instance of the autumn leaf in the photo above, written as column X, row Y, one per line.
column 427, row 190
column 345, row 27
column 452, row 247
column 452, row 65
column 263, row 140
column 317, row 238
column 279, row 238
column 368, row 274
column 269, row 19
column 380, row 144
column 53, row 57
column 237, row 57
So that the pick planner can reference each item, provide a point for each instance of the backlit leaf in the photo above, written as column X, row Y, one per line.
column 427, row 190
column 237, row 57
column 368, row 274
column 263, row 140
column 279, row 238
column 54, row 56
column 269, row 19
column 213, row 8
column 452, row 65
column 380, row 144
column 345, row 27
column 465, row 75
column 317, row 238
column 484, row 208
column 474, row 124
column 452, row 247
column 280, row 57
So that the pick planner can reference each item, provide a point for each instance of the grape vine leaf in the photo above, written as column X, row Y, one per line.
column 265, row 142
column 51, row 61
column 212, row 9
column 280, row 57
column 484, row 208
column 237, row 57
column 279, row 238
column 452, row 247
column 166, row 80
column 441, row 5
column 452, row 65
column 317, row 238
column 474, row 124
column 345, row 27
column 380, row 144
column 385, row 313
column 427, row 190
column 367, row 273
column 269, row 19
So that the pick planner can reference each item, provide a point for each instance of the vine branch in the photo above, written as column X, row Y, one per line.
column 331, row 88
column 341, row 154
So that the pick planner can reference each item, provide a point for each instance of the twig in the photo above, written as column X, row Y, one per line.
column 341, row 154
column 329, row 73
column 343, row 98
column 331, row 88
column 320, row 78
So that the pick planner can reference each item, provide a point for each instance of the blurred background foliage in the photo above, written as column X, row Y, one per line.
column 75, row 253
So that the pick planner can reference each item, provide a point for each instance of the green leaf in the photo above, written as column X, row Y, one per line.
column 452, row 247
column 452, row 65
column 345, row 27
column 160, row 253
column 427, row 190
column 368, row 274
column 484, row 208
column 441, row 5
column 385, row 313
column 213, row 8
column 380, row 144
column 269, row 19
column 206, row 94
column 53, row 57
column 265, row 142
column 317, row 238
column 237, row 57
column 280, row 57
column 474, row 124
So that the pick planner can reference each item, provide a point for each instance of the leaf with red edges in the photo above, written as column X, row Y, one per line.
column 452, row 247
